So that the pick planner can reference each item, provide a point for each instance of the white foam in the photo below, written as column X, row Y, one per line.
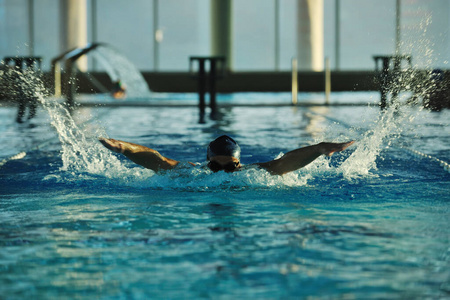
column 84, row 158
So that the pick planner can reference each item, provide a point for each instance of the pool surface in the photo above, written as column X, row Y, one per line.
column 79, row 222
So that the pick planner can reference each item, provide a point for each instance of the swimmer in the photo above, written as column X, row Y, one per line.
column 224, row 154
column 119, row 90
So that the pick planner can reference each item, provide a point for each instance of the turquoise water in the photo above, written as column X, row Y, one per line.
column 80, row 222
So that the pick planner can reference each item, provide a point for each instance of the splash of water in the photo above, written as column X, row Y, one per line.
column 392, row 122
column 85, row 160
column 118, row 67
column 383, row 133
column 79, row 154
column 368, row 148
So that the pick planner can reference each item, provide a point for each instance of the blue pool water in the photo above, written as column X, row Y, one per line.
column 80, row 222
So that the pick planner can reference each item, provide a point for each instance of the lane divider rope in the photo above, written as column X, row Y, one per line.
column 419, row 154
column 19, row 155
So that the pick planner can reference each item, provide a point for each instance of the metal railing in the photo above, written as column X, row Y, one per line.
column 64, row 82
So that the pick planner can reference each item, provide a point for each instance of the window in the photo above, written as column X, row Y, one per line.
column 128, row 27
column 46, row 31
column 253, row 35
column 14, row 28
column 367, row 29
column 265, row 32
column 185, row 32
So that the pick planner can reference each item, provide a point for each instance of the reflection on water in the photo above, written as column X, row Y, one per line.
column 88, row 222
column 317, row 122
column 164, row 244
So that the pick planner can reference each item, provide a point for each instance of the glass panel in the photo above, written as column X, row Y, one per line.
column 253, row 35
column 329, row 28
column 287, row 34
column 367, row 29
column 14, row 31
column 425, row 33
column 46, row 31
column 184, row 31
column 128, row 27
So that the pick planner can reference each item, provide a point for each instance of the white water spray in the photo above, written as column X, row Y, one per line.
column 83, row 155
column 384, row 131
column 120, row 68
column 392, row 122
column 80, row 153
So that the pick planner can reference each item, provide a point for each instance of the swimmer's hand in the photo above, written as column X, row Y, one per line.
column 111, row 144
column 329, row 148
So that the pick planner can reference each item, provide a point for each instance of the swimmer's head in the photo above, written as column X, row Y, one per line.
column 223, row 146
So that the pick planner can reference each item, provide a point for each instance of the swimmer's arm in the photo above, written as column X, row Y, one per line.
column 141, row 155
column 301, row 157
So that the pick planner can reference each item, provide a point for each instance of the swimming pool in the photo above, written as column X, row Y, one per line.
column 80, row 222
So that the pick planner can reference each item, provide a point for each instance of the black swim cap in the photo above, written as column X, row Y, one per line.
column 224, row 145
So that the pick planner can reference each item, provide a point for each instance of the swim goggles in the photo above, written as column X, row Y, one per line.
column 228, row 167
